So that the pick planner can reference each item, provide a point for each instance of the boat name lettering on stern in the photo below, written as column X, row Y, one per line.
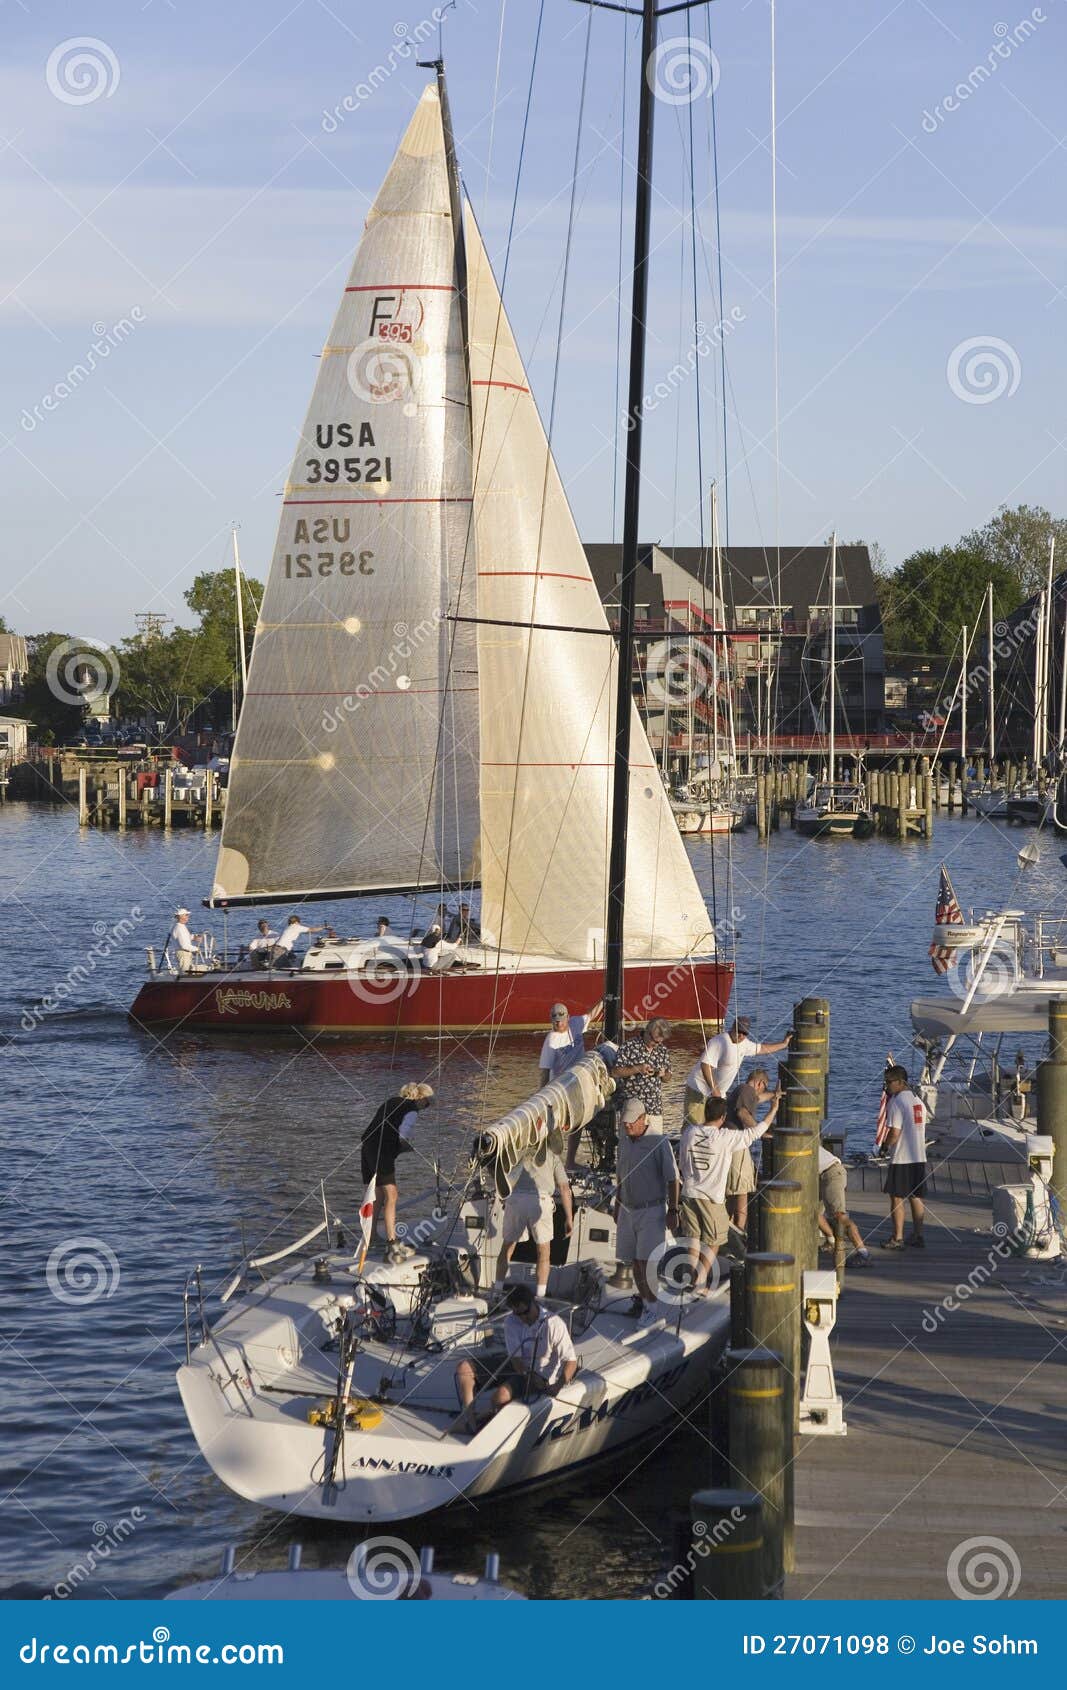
column 414, row 1469
column 580, row 1420
column 230, row 999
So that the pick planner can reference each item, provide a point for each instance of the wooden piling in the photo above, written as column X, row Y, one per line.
column 122, row 800
column 209, row 793
column 796, row 1157
column 761, row 1448
column 83, row 797
column 772, row 1317
column 1052, row 1096
column 726, row 1529
column 168, row 796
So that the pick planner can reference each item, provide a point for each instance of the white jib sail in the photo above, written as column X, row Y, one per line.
column 356, row 759
column 548, row 698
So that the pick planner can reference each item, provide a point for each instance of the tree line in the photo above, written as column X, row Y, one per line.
column 928, row 598
column 173, row 677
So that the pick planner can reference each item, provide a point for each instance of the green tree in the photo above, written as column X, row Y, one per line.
column 167, row 676
column 63, row 673
column 926, row 601
column 1018, row 540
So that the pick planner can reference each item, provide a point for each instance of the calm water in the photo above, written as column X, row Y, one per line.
column 171, row 1153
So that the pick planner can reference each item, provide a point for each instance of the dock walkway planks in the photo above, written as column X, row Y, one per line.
column 954, row 1433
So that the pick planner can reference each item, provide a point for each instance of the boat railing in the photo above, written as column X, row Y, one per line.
column 194, row 1287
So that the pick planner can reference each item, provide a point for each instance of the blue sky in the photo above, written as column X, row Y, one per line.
column 207, row 196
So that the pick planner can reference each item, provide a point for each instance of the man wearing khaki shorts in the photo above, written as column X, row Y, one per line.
column 530, row 1212
column 705, row 1154
column 742, row 1111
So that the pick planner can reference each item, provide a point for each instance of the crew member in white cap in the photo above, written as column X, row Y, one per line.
column 183, row 941
column 648, row 1194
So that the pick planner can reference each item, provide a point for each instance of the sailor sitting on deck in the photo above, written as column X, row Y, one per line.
column 463, row 929
column 437, row 952
column 540, row 1360
column 260, row 947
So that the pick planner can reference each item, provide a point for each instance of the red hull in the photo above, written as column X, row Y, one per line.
column 690, row 995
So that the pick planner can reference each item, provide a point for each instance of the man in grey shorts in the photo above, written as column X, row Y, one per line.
column 648, row 1194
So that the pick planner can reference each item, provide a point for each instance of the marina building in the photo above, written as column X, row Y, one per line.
column 772, row 662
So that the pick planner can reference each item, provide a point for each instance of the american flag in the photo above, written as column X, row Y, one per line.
column 947, row 914
column 883, row 1110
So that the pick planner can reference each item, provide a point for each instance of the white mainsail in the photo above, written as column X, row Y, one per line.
column 548, row 697
column 356, row 759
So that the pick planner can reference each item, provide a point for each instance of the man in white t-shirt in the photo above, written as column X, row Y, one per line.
column 260, row 947
column 704, row 1157
column 540, row 1360
column 530, row 1211
column 564, row 1042
column 714, row 1075
column 282, row 948
column 183, row 941
column 905, row 1140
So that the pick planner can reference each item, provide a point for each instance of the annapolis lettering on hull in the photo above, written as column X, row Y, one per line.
column 229, row 1000
column 412, row 1469
column 581, row 1419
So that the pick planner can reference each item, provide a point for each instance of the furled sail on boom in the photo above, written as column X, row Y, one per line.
column 356, row 760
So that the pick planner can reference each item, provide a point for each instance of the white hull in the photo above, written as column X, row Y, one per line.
column 247, row 1391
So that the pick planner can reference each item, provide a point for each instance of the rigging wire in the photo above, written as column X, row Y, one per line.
column 616, row 414
column 718, row 257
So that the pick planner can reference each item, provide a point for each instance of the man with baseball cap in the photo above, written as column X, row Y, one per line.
column 647, row 1202
column 182, row 940
column 719, row 1065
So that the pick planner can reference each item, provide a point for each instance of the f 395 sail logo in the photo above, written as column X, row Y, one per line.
column 383, row 369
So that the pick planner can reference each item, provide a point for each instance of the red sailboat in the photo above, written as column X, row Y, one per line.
column 431, row 700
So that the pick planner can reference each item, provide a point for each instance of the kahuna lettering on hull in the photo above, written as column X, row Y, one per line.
column 409, row 1469
column 581, row 1419
column 230, row 1000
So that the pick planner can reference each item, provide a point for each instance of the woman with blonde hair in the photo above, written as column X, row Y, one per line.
column 387, row 1137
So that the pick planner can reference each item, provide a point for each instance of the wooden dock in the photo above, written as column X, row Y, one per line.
column 956, row 1416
